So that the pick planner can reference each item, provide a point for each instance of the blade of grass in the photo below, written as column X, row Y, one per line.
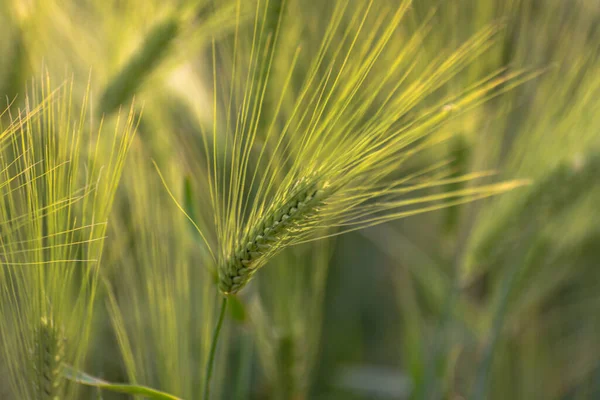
column 213, row 349
column 499, row 316
column 74, row 375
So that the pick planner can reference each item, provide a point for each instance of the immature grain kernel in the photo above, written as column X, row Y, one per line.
column 265, row 239
column 48, row 356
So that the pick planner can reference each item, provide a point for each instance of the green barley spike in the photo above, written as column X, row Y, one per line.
column 264, row 239
column 48, row 357
column 148, row 57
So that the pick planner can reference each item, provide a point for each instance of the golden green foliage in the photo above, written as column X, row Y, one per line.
column 344, row 134
column 161, row 299
column 506, row 309
column 305, row 119
column 58, row 179
column 131, row 45
column 288, row 343
column 158, row 44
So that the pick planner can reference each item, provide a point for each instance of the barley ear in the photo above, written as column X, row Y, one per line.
column 267, row 236
column 47, row 356
column 148, row 57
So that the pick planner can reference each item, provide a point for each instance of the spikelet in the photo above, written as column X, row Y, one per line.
column 47, row 358
column 269, row 234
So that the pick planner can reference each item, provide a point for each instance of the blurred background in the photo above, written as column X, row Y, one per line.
column 496, row 299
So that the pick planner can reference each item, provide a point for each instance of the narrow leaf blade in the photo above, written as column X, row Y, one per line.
column 74, row 375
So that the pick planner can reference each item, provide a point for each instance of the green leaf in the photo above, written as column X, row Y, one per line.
column 74, row 375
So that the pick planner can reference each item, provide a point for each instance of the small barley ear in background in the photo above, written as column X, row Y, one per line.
column 47, row 357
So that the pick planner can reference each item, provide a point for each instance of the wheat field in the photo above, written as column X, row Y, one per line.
column 300, row 199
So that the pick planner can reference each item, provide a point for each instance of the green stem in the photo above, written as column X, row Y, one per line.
column 213, row 349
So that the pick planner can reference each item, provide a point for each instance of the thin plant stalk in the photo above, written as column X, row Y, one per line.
column 213, row 349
